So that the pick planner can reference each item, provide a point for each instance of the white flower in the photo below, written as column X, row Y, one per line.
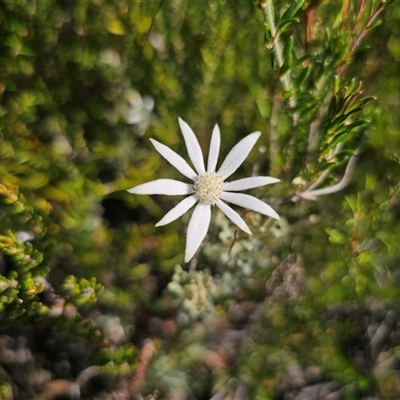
column 209, row 187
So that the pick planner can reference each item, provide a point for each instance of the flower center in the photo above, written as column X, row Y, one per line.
column 208, row 187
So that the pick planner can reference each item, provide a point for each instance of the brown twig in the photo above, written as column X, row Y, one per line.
column 233, row 242
column 359, row 13
column 363, row 32
column 346, row 8
column 146, row 354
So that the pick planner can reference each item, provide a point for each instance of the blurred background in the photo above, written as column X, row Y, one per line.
column 96, row 303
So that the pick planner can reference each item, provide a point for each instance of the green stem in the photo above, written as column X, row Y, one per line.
column 269, row 17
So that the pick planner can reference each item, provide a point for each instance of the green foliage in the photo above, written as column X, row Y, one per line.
column 83, row 85
column 81, row 292
column 19, row 290
column 118, row 362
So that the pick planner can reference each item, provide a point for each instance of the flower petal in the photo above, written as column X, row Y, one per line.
column 213, row 153
column 180, row 209
column 192, row 146
column 237, row 155
column 197, row 229
column 233, row 216
column 169, row 187
column 175, row 160
column 249, row 183
column 250, row 202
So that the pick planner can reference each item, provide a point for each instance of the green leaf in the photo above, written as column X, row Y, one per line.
column 364, row 101
column 353, row 125
column 267, row 36
column 291, row 11
column 287, row 57
column 339, row 138
column 352, row 111
column 345, row 102
column 332, row 108
column 335, row 236
column 354, row 86
column 282, row 26
column 287, row 65
column 287, row 50
column 349, row 96
column 388, row 3
column 300, row 60
column 303, row 75
column 287, row 94
column 375, row 24
column 336, row 83
column 115, row 27
column 336, row 122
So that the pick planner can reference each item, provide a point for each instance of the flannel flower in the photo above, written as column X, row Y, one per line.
column 208, row 187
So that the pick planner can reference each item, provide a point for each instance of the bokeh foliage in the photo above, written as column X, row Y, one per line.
column 309, row 300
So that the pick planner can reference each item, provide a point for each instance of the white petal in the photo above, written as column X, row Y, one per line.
column 197, row 229
column 250, row 202
column 237, row 155
column 192, row 146
column 175, row 160
column 169, row 187
column 180, row 209
column 249, row 183
column 213, row 153
column 233, row 216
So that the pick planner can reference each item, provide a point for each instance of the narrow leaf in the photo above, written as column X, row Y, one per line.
column 284, row 25
column 388, row 3
column 291, row 11
column 375, row 24
column 267, row 36
column 303, row 75
column 287, row 65
column 345, row 102
column 287, row 50
column 302, row 59
column 364, row 101
column 332, row 108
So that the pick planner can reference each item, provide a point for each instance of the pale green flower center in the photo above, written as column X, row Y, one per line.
column 208, row 187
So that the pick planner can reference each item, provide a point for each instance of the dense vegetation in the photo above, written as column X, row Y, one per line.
column 97, row 303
